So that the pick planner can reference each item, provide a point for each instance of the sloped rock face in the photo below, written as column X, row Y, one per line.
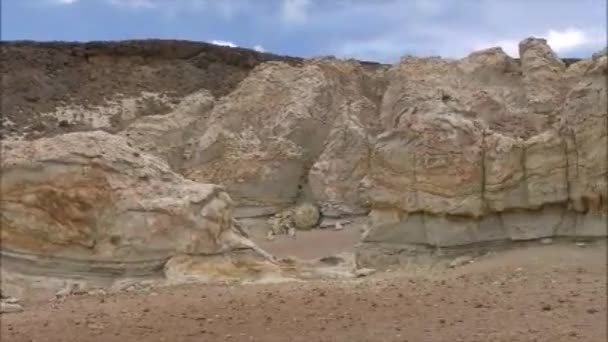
column 94, row 202
column 451, row 171
column 263, row 139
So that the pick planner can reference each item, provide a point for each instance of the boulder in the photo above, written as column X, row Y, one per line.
column 305, row 216
column 89, row 196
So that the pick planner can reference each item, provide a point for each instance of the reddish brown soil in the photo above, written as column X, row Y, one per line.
column 548, row 293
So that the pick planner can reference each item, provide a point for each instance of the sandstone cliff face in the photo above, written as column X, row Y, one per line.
column 437, row 152
column 449, row 170
column 264, row 139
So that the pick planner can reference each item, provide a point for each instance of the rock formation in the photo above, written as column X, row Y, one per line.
column 93, row 201
column 438, row 153
column 482, row 150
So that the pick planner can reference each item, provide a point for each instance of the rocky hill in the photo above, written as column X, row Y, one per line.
column 106, row 146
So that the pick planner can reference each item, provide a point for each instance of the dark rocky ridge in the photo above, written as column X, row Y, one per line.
column 40, row 76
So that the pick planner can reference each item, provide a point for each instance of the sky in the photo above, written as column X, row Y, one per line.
column 376, row 30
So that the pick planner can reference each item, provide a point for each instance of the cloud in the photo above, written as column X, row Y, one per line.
column 393, row 28
column 381, row 30
column 561, row 41
column 570, row 39
column 225, row 9
column 224, row 43
column 135, row 4
column 258, row 48
column 380, row 49
column 295, row 11
column 65, row 2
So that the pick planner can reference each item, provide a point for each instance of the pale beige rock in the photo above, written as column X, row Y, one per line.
column 439, row 152
column 218, row 269
column 452, row 169
column 262, row 139
column 305, row 216
column 166, row 135
column 542, row 72
column 89, row 196
column 433, row 164
column 10, row 308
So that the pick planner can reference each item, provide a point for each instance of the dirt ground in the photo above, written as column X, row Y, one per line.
column 314, row 244
column 544, row 293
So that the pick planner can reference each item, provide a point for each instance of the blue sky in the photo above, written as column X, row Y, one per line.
column 381, row 30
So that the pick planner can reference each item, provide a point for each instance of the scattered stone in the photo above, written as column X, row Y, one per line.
column 305, row 216
column 364, row 272
column 546, row 241
column 66, row 291
column 97, row 292
column 11, row 300
column 460, row 261
column 581, row 244
column 338, row 226
column 331, row 260
column 591, row 311
column 547, row 307
column 10, row 307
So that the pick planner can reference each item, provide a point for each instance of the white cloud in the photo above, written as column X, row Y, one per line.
column 381, row 48
column 224, row 43
column 259, row 48
column 509, row 46
column 66, row 2
column 568, row 39
column 295, row 11
column 560, row 41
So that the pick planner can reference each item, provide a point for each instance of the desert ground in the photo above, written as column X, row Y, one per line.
column 553, row 292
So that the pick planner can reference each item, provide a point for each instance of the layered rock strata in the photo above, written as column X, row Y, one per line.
column 438, row 153
column 88, row 202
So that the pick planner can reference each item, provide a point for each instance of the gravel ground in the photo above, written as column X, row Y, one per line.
column 544, row 293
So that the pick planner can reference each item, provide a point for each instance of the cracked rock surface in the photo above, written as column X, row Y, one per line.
column 435, row 152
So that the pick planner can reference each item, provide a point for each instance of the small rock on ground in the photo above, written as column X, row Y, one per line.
column 461, row 260
column 364, row 272
column 10, row 307
column 11, row 300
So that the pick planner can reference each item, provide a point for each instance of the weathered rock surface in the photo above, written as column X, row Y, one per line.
column 263, row 138
column 449, row 171
column 438, row 152
column 41, row 78
column 88, row 201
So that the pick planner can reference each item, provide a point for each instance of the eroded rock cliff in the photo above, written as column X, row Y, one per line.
column 438, row 153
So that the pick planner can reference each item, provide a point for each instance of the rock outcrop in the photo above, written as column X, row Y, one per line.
column 263, row 139
column 439, row 153
column 475, row 153
column 97, row 204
